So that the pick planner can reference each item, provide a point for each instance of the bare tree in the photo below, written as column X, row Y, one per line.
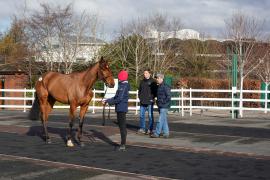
column 166, row 54
column 244, row 31
column 136, row 49
column 160, row 52
column 41, row 32
column 263, row 71
column 137, row 46
column 57, row 34
column 71, row 32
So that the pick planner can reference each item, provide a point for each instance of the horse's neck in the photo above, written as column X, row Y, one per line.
column 90, row 76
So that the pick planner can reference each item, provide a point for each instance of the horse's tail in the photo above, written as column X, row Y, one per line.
column 34, row 113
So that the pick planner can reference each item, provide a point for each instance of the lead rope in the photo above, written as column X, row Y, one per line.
column 104, row 109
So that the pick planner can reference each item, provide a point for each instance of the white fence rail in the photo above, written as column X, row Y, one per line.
column 183, row 100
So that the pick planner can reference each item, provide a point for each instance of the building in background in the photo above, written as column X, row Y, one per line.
column 183, row 34
column 80, row 51
column 12, row 77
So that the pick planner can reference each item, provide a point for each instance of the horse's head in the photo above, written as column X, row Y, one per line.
column 105, row 73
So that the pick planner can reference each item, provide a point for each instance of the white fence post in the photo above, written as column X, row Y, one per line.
column 232, row 110
column 190, row 102
column 24, row 101
column 137, row 98
column 94, row 100
column 241, row 103
column 265, row 99
column 182, row 102
column 33, row 95
column 179, row 101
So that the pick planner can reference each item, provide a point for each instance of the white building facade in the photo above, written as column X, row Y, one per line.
column 84, row 51
column 182, row 34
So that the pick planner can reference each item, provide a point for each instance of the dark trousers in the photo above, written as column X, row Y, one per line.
column 121, row 118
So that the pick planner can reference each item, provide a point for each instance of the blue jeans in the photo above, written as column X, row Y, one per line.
column 143, row 109
column 162, row 123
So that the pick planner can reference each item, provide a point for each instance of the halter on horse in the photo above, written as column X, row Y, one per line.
column 74, row 89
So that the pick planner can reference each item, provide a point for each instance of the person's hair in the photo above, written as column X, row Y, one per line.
column 147, row 69
column 160, row 76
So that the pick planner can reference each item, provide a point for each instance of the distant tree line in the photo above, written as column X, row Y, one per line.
column 32, row 36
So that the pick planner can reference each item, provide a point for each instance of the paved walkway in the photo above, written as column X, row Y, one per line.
column 197, row 144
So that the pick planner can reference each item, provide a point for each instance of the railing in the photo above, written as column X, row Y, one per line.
column 185, row 100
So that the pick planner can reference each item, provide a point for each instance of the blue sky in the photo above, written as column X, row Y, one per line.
column 205, row 16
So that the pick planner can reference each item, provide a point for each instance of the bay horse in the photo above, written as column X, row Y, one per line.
column 74, row 89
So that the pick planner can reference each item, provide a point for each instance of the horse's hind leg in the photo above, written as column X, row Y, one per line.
column 45, row 127
column 45, row 109
column 71, row 123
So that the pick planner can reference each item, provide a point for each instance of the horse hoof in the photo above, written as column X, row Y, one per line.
column 70, row 144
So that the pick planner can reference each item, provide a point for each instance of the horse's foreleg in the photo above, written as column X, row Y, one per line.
column 71, row 123
column 83, row 110
column 82, row 114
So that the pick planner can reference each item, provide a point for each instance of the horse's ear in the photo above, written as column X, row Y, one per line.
column 102, row 60
column 103, row 63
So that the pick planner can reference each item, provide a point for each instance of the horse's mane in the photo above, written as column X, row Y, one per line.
column 83, row 67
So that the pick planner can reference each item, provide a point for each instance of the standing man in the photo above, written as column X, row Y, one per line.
column 163, row 103
column 147, row 94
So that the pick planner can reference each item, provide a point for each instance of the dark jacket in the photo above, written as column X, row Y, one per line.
column 121, row 97
column 163, row 96
column 147, row 91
